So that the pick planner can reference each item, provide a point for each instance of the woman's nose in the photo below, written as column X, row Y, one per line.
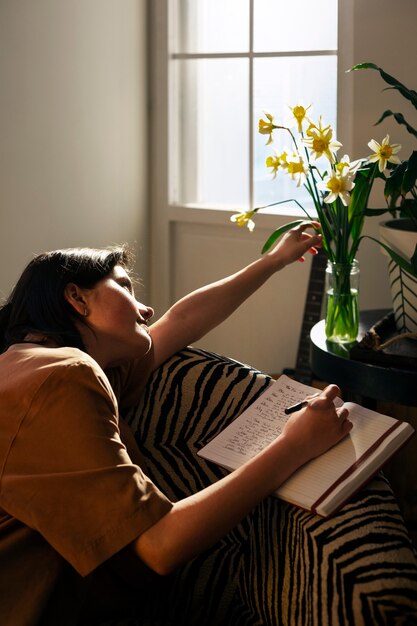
column 146, row 312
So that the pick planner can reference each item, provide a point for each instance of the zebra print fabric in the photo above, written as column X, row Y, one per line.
column 281, row 566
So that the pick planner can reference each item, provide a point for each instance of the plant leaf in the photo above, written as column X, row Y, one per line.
column 375, row 212
column 408, row 94
column 410, row 174
column 387, row 113
column 399, row 118
column 408, row 209
column 278, row 232
column 392, row 189
column 411, row 268
column 359, row 200
column 414, row 261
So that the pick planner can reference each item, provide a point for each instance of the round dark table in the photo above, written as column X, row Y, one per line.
column 332, row 363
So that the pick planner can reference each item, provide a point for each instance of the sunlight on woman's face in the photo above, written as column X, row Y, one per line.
column 118, row 320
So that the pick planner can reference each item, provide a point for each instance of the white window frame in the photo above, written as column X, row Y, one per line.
column 163, row 214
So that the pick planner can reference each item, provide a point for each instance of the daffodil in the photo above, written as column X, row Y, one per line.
column 297, row 169
column 384, row 152
column 345, row 165
column 244, row 219
column 267, row 126
column 276, row 161
column 339, row 193
column 299, row 115
column 320, row 141
column 338, row 185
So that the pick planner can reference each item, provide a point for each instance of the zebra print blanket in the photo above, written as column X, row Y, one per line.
column 281, row 565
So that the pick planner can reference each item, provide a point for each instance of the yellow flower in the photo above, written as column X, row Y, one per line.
column 277, row 161
column 384, row 153
column 338, row 185
column 244, row 219
column 297, row 170
column 300, row 115
column 266, row 127
column 320, row 141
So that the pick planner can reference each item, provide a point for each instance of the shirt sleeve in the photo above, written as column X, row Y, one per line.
column 69, row 476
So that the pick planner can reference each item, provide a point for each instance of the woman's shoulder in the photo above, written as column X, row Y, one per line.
column 29, row 363
column 40, row 354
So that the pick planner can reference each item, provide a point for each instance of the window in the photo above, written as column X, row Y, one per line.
column 229, row 60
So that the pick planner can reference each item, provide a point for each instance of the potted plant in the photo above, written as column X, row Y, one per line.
column 339, row 190
column 398, row 234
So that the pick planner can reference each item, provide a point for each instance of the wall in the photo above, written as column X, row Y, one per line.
column 73, row 148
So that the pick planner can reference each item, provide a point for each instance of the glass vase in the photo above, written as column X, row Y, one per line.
column 342, row 302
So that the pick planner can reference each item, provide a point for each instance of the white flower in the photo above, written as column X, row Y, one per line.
column 384, row 153
column 344, row 166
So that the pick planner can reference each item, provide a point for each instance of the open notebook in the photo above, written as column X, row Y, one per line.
column 325, row 483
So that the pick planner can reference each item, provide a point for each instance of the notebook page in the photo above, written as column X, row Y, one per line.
column 318, row 475
column 367, row 468
column 264, row 420
column 256, row 427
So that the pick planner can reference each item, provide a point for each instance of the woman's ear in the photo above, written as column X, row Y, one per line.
column 76, row 297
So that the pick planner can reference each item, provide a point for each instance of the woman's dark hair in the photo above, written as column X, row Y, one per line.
column 37, row 302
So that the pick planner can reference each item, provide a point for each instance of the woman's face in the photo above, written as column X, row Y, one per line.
column 117, row 319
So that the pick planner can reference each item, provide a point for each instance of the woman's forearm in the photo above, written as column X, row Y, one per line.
column 202, row 310
column 197, row 522
column 207, row 307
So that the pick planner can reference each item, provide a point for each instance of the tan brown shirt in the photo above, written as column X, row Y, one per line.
column 70, row 495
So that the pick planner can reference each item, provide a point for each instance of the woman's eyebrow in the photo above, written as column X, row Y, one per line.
column 124, row 281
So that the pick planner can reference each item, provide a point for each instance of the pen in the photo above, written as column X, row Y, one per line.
column 295, row 407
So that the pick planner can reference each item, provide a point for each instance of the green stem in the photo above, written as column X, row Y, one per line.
column 342, row 310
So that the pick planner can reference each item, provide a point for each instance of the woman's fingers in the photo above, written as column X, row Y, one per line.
column 343, row 415
column 324, row 399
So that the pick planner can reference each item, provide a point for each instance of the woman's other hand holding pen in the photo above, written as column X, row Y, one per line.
column 318, row 426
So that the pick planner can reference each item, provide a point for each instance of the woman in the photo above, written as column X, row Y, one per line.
column 76, row 509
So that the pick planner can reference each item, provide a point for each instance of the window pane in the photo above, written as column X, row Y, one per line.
column 300, row 25
column 278, row 84
column 210, row 148
column 210, row 25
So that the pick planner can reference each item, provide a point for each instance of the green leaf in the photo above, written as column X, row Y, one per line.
column 408, row 209
column 410, row 174
column 375, row 212
column 411, row 268
column 359, row 200
column 387, row 113
column 408, row 94
column 278, row 232
column 414, row 261
column 392, row 189
column 400, row 119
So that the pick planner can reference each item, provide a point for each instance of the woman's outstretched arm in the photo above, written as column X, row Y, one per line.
column 202, row 310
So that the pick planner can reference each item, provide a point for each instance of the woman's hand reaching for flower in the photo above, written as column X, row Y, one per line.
column 295, row 243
